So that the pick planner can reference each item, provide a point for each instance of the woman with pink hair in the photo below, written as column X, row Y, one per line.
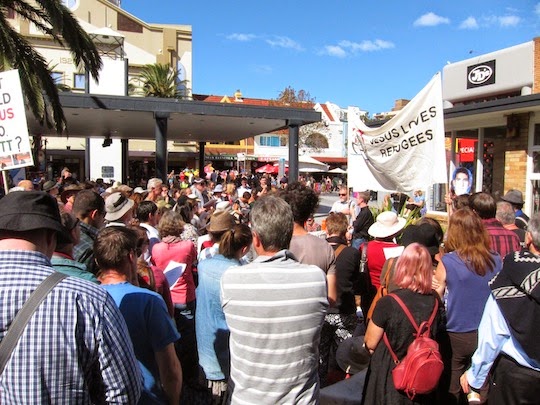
column 413, row 275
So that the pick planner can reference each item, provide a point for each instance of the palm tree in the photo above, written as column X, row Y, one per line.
column 39, row 88
column 160, row 80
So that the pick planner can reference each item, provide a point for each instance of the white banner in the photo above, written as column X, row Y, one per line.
column 406, row 153
column 15, row 148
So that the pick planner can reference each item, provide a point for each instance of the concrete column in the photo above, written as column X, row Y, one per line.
column 201, row 158
column 125, row 160
column 87, row 159
column 294, row 135
column 480, row 161
column 161, row 145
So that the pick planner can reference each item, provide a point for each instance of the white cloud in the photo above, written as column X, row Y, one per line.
column 335, row 50
column 241, row 37
column 509, row 21
column 430, row 20
column 367, row 45
column 345, row 48
column 469, row 23
column 284, row 42
column 537, row 9
column 264, row 69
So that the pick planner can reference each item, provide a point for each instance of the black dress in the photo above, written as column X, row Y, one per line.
column 379, row 386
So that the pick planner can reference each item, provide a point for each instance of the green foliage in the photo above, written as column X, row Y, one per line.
column 160, row 80
column 54, row 19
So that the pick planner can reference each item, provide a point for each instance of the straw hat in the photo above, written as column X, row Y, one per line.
column 387, row 224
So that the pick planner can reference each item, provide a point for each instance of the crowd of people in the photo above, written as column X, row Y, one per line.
column 228, row 289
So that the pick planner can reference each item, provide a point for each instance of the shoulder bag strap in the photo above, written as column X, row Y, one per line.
column 23, row 316
column 338, row 250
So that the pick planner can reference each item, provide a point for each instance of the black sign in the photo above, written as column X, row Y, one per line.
column 481, row 74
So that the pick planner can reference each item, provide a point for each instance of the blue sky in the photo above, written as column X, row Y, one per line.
column 360, row 53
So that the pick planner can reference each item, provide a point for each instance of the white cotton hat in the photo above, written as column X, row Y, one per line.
column 387, row 224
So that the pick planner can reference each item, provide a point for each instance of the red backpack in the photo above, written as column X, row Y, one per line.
column 420, row 370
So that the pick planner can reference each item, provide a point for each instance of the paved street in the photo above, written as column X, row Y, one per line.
column 326, row 201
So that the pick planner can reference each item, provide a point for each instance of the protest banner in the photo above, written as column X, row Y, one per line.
column 15, row 150
column 404, row 154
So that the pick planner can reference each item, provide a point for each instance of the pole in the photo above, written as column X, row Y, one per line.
column 4, row 177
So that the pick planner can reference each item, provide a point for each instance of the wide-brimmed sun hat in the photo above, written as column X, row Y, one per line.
column 116, row 205
column 387, row 224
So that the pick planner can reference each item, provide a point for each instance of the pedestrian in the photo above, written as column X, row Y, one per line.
column 151, row 329
column 274, row 335
column 462, row 277
column 508, row 334
column 76, row 347
column 211, row 326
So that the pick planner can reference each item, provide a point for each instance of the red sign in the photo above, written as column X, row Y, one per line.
column 466, row 150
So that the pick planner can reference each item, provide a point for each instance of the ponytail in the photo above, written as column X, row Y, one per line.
column 235, row 239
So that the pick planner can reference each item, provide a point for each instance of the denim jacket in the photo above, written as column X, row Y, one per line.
column 211, row 328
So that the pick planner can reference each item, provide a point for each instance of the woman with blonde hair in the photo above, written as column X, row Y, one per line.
column 464, row 272
column 413, row 275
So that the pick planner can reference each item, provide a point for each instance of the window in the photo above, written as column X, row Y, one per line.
column 79, row 81
column 270, row 141
column 58, row 77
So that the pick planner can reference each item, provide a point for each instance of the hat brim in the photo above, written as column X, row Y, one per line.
column 512, row 201
column 352, row 360
column 377, row 230
column 113, row 216
column 31, row 222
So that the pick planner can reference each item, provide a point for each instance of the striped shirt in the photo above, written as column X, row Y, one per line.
column 275, row 308
column 75, row 348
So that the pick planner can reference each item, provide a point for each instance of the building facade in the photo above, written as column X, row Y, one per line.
column 492, row 117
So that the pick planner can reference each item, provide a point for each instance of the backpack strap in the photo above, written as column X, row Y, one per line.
column 413, row 322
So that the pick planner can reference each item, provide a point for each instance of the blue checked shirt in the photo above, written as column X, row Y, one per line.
column 75, row 348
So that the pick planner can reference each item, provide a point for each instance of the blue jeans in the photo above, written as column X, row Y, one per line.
column 355, row 243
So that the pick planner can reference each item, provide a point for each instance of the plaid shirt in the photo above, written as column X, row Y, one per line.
column 75, row 349
column 83, row 252
column 503, row 241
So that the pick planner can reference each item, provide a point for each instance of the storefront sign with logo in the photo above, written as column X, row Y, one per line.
column 481, row 74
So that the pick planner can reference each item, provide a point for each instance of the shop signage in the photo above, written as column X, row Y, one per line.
column 481, row 74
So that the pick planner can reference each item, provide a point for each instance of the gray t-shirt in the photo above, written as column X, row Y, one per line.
column 309, row 249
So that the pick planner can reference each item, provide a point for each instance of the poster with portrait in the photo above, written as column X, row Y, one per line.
column 462, row 181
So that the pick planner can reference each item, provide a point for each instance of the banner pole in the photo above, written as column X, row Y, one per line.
column 5, row 179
